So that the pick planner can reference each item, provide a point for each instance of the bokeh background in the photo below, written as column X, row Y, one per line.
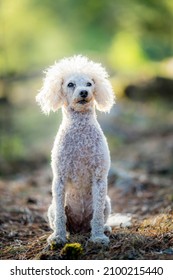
column 133, row 39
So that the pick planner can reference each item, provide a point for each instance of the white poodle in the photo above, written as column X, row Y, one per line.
column 80, row 156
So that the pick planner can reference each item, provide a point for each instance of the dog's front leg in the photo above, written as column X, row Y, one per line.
column 58, row 192
column 97, row 223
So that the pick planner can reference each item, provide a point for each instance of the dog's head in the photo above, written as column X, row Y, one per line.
column 78, row 83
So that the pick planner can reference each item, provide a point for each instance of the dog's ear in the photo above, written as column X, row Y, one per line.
column 104, row 95
column 50, row 96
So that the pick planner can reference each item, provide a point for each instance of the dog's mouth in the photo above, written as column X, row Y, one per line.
column 82, row 101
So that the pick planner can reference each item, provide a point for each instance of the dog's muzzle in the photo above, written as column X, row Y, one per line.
column 83, row 94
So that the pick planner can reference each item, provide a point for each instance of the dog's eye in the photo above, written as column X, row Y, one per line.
column 71, row 84
column 88, row 84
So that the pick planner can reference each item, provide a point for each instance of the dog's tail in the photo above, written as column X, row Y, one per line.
column 119, row 220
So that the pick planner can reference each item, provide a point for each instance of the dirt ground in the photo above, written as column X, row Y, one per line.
column 140, row 185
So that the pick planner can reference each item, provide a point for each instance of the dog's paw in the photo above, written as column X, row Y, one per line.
column 100, row 239
column 107, row 229
column 55, row 240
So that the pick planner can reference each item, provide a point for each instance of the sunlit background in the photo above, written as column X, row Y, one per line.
column 133, row 39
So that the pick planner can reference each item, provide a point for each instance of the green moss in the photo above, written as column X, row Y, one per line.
column 11, row 147
column 54, row 246
column 71, row 251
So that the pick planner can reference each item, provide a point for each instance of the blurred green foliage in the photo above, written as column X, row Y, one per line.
column 127, row 36
column 11, row 147
column 34, row 33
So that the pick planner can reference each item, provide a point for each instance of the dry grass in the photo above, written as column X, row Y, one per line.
column 150, row 239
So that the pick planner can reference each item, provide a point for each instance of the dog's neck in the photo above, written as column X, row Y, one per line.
column 78, row 117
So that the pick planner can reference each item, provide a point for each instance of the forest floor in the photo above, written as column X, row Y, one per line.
column 140, row 186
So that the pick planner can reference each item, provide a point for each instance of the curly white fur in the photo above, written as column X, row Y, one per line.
column 80, row 156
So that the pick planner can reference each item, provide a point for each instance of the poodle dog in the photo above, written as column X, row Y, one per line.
column 80, row 156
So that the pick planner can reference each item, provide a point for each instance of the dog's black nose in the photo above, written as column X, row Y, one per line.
column 84, row 93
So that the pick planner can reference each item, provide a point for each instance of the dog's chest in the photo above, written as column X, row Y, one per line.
column 80, row 148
